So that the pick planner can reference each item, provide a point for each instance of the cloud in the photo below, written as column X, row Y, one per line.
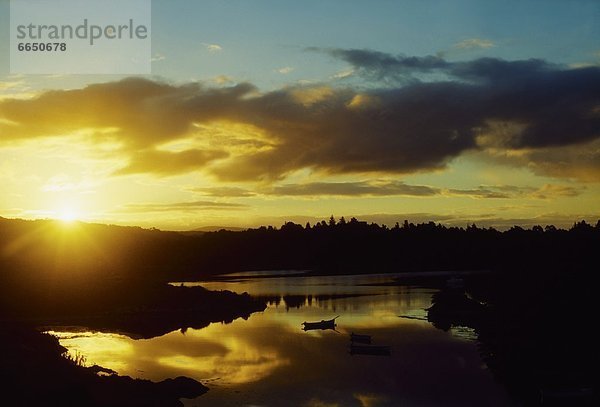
column 401, row 69
column 340, row 189
column 346, row 73
column 63, row 182
column 212, row 47
column 579, row 161
column 353, row 189
column 547, row 191
column 15, row 86
column 6, row 85
column 375, row 188
column 224, row 192
column 381, row 66
column 474, row 43
column 482, row 192
column 285, row 70
column 158, row 57
column 169, row 163
column 182, row 206
column 553, row 191
column 223, row 80
column 573, row 162
column 524, row 113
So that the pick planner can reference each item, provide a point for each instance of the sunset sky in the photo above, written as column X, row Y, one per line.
column 258, row 112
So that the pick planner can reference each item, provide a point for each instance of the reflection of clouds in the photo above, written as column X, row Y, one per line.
column 269, row 360
column 243, row 361
column 103, row 349
column 201, row 354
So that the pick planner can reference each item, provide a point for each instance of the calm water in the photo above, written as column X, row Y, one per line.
column 268, row 360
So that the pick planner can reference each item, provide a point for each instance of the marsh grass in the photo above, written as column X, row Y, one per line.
column 76, row 358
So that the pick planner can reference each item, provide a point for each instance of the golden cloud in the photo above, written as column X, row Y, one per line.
column 236, row 133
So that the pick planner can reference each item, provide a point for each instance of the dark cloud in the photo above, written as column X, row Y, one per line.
column 381, row 66
column 578, row 161
column 556, row 105
column 498, row 71
column 549, row 115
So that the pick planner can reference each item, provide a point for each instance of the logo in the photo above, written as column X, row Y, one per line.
column 80, row 37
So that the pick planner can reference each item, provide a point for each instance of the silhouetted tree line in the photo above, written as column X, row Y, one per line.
column 354, row 246
column 47, row 249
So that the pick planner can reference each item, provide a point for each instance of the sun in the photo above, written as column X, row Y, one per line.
column 68, row 215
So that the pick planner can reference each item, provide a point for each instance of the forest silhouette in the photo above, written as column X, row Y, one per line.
column 49, row 249
column 80, row 269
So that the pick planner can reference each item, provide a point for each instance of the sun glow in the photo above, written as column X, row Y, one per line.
column 68, row 215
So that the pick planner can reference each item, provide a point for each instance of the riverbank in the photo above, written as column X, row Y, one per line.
column 136, row 309
column 35, row 372
column 34, row 367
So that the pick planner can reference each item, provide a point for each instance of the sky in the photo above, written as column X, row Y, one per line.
column 261, row 112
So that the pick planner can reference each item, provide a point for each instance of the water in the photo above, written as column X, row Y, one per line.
column 269, row 360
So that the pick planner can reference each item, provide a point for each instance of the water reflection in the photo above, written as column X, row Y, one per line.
column 270, row 360
column 299, row 285
column 207, row 354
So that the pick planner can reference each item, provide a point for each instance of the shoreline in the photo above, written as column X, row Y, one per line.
column 35, row 371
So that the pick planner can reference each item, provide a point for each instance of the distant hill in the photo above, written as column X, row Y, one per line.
column 217, row 228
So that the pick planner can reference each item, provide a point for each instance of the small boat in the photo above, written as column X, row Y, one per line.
column 360, row 338
column 323, row 324
column 370, row 350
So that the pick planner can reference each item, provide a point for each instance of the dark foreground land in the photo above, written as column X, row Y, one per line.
column 534, row 313
column 34, row 373
column 536, row 334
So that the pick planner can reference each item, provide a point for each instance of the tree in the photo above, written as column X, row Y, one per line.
column 331, row 221
column 583, row 225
